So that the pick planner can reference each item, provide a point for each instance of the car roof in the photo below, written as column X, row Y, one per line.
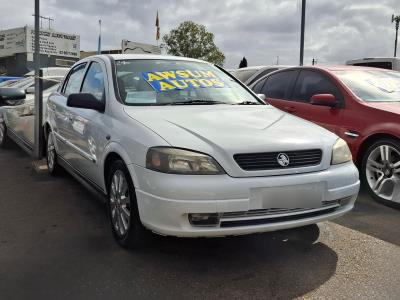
column 149, row 56
column 335, row 68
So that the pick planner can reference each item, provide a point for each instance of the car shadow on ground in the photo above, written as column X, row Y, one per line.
column 56, row 243
column 373, row 218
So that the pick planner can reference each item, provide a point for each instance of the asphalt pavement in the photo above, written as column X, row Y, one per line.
column 55, row 243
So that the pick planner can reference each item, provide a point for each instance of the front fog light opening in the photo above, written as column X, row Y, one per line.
column 204, row 219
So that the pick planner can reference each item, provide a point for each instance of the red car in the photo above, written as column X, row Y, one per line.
column 359, row 104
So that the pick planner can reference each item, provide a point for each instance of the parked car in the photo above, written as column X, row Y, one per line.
column 7, row 78
column 51, row 76
column 17, row 120
column 179, row 147
column 359, row 104
column 249, row 75
column 389, row 63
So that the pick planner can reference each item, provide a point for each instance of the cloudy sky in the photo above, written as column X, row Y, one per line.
column 260, row 30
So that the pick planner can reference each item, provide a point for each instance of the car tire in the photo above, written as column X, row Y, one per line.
column 122, row 208
column 51, row 155
column 3, row 135
column 380, row 171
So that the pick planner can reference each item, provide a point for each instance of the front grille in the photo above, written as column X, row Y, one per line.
column 275, row 211
column 269, row 160
column 284, row 218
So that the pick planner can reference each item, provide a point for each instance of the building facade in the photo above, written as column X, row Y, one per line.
column 17, row 47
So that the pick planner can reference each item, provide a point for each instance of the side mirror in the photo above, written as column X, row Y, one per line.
column 30, row 90
column 11, row 95
column 85, row 100
column 324, row 100
column 261, row 96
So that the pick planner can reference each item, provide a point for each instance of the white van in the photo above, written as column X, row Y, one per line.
column 390, row 63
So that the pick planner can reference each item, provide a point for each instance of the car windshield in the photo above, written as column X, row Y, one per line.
column 372, row 85
column 177, row 82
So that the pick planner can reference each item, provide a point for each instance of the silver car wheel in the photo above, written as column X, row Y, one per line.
column 383, row 172
column 120, row 203
column 50, row 152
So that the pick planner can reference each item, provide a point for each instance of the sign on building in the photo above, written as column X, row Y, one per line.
column 21, row 40
column 139, row 48
column 12, row 41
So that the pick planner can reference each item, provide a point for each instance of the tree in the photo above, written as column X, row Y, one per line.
column 193, row 40
column 243, row 63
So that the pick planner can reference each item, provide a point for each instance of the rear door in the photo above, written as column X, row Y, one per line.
column 61, row 115
column 278, row 88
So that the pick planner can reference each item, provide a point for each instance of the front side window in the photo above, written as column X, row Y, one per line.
column 310, row 83
column 174, row 82
column 94, row 81
column 74, row 82
column 278, row 85
column 372, row 86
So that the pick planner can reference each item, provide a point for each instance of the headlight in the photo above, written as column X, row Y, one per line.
column 341, row 152
column 180, row 161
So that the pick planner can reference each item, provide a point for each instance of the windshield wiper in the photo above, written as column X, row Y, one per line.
column 247, row 103
column 194, row 102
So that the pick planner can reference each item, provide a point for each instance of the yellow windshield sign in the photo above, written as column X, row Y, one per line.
column 163, row 81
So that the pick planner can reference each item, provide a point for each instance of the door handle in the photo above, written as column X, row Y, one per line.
column 289, row 109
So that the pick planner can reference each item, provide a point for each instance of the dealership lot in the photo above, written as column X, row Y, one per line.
column 55, row 243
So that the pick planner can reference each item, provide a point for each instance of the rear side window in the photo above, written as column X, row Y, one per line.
column 376, row 64
column 74, row 80
column 258, row 86
column 278, row 85
column 310, row 83
column 261, row 74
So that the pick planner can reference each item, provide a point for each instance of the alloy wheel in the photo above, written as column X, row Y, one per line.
column 120, row 203
column 383, row 172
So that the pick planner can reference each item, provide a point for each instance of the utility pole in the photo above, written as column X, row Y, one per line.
column 277, row 60
column 38, row 147
column 303, row 20
column 314, row 61
column 396, row 20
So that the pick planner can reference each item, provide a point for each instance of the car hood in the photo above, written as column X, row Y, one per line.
column 224, row 130
column 393, row 107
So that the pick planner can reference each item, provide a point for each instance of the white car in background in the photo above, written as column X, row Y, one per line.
column 179, row 147
column 18, row 117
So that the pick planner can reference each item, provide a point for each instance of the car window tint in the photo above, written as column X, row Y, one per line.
column 310, row 83
column 94, row 81
column 258, row 86
column 278, row 85
column 261, row 74
column 74, row 80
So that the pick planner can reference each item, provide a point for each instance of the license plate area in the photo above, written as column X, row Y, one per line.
column 308, row 195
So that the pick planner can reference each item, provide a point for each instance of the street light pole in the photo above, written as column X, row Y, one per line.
column 396, row 19
column 303, row 20
column 37, row 151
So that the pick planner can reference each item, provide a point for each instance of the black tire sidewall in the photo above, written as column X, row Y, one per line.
column 136, row 235
column 3, row 142
column 387, row 141
column 54, row 170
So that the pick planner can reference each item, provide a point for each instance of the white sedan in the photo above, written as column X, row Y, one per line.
column 179, row 147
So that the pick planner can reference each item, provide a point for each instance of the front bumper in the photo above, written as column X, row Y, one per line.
column 166, row 200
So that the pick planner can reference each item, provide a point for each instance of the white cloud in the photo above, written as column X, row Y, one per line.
column 258, row 29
